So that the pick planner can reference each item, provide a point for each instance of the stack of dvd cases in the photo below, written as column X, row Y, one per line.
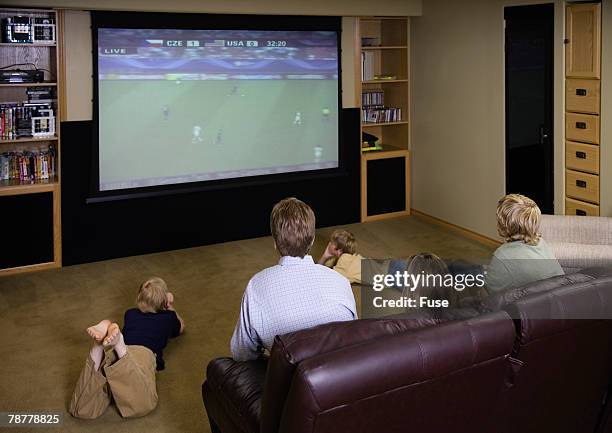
column 26, row 119
column 28, row 166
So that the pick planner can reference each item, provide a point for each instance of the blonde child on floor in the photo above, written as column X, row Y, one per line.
column 121, row 365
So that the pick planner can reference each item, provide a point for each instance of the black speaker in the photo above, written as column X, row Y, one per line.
column 386, row 186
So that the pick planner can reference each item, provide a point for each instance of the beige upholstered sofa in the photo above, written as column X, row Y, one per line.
column 578, row 241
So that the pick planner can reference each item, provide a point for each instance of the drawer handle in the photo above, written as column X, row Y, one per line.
column 580, row 125
column 581, row 92
column 580, row 212
column 581, row 183
column 581, row 155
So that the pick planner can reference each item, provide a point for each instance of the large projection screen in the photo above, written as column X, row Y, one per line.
column 181, row 105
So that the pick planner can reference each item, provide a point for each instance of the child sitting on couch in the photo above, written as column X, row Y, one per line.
column 121, row 365
column 340, row 254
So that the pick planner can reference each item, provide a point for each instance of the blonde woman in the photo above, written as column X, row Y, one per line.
column 524, row 257
column 121, row 365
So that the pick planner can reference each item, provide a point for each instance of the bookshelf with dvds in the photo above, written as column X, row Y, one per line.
column 30, row 210
column 383, row 72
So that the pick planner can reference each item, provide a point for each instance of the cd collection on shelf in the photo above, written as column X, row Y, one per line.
column 372, row 97
column 28, row 166
column 375, row 114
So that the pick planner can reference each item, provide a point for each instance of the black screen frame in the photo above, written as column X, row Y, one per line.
column 186, row 21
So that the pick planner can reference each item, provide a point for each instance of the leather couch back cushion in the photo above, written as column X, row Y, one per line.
column 425, row 373
column 541, row 315
column 497, row 301
column 291, row 349
column 567, row 360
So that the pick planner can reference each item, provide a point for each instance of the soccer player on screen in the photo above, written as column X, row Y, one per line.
column 325, row 112
column 197, row 135
column 298, row 119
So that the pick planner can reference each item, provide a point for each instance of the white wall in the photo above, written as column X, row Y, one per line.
column 268, row 7
column 458, row 138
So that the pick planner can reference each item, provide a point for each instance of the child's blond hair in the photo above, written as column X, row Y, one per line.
column 518, row 219
column 344, row 240
column 152, row 296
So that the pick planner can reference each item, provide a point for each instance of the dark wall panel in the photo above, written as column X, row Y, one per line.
column 386, row 185
column 27, row 229
column 104, row 230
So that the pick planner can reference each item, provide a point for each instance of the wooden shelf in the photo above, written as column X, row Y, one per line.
column 402, row 80
column 372, row 124
column 17, row 44
column 49, row 84
column 390, row 57
column 16, row 187
column 28, row 140
column 387, row 151
column 385, row 47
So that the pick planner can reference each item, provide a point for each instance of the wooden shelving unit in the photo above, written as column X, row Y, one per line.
column 45, row 56
column 582, row 108
column 12, row 85
column 385, row 42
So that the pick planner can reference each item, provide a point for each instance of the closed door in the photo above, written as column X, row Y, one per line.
column 529, row 103
column 583, row 36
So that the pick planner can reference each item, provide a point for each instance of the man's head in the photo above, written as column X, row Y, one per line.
column 292, row 224
column 518, row 219
column 343, row 242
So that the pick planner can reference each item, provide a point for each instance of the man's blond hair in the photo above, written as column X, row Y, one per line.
column 518, row 219
column 292, row 224
column 152, row 296
column 344, row 240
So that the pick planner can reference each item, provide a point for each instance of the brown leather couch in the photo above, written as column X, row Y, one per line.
column 539, row 360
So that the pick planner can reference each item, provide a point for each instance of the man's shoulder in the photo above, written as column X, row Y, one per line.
column 276, row 273
column 265, row 274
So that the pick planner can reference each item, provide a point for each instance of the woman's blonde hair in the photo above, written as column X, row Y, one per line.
column 518, row 219
column 152, row 296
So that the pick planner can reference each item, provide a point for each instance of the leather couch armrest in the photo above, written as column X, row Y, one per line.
column 237, row 388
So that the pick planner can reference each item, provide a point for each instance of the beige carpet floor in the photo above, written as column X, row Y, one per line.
column 43, row 317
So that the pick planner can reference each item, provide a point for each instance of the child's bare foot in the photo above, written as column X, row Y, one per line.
column 114, row 338
column 98, row 332
column 169, row 299
column 111, row 334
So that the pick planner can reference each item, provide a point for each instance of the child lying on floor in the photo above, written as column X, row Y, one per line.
column 340, row 254
column 121, row 365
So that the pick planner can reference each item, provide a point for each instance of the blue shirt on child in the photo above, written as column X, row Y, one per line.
column 151, row 330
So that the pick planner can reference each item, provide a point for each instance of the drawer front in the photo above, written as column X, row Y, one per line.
column 582, row 186
column 582, row 127
column 582, row 157
column 576, row 207
column 582, row 96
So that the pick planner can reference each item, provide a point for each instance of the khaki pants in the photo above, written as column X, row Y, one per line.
column 130, row 381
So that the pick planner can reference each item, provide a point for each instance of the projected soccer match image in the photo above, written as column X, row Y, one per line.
column 179, row 106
